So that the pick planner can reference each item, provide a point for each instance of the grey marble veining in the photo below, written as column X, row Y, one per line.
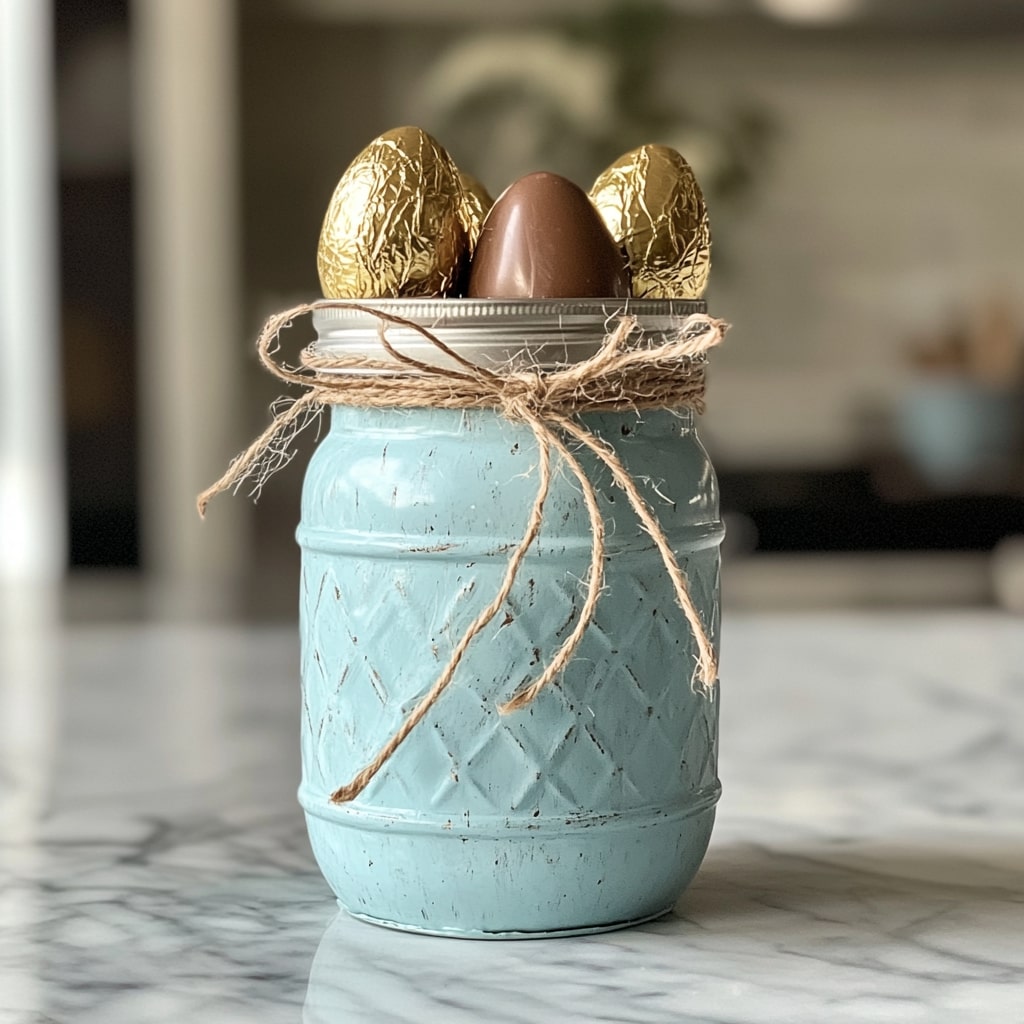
column 867, row 864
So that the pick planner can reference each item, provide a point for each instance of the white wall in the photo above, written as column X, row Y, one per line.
column 896, row 197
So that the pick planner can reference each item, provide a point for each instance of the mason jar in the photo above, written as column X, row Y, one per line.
column 587, row 810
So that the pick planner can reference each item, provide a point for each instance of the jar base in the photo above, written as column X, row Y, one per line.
column 509, row 877
column 472, row 933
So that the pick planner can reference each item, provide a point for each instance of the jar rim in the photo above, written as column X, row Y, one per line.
column 541, row 333
column 490, row 309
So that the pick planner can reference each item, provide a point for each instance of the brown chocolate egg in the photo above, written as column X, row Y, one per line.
column 544, row 239
column 393, row 227
column 653, row 206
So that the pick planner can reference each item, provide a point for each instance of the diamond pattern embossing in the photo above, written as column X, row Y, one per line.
column 621, row 729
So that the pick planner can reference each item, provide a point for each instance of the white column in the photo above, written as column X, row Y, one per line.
column 191, row 348
column 32, row 516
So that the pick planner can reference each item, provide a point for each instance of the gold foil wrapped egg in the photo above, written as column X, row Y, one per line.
column 651, row 203
column 393, row 227
column 476, row 202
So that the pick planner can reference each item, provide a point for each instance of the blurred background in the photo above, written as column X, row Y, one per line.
column 166, row 165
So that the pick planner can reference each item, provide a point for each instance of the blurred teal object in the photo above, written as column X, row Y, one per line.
column 957, row 431
column 590, row 809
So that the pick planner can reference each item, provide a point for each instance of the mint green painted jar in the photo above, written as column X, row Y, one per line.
column 589, row 809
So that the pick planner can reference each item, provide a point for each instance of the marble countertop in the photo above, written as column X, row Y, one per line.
column 867, row 863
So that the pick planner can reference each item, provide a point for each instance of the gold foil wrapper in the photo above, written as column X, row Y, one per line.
column 651, row 202
column 393, row 226
column 475, row 203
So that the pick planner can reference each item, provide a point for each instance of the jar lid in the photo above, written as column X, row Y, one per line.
column 493, row 332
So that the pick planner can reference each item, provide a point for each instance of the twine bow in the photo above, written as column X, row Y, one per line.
column 617, row 377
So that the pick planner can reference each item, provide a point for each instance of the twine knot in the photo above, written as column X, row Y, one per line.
column 523, row 395
column 619, row 376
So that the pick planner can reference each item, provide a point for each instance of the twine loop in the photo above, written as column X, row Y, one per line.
column 620, row 376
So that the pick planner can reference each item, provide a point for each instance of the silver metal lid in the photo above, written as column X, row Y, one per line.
column 493, row 332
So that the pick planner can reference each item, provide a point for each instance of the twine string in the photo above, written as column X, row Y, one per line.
column 706, row 669
column 594, row 579
column 362, row 779
column 616, row 377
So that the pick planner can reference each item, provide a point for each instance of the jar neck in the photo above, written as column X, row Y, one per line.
column 627, row 424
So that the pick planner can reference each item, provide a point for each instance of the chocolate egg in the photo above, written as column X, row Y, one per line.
column 544, row 239
column 393, row 225
column 476, row 202
column 651, row 203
